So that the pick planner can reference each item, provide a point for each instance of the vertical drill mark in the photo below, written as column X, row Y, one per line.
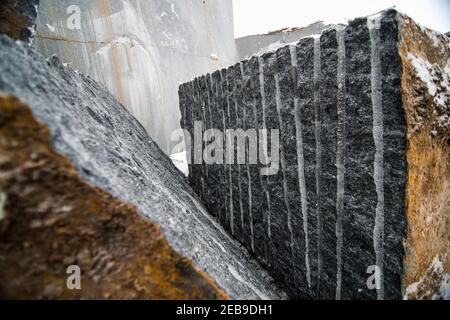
column 340, row 158
column 301, row 171
column 317, row 123
column 373, row 24
column 230, row 185
column 283, row 166
column 264, row 138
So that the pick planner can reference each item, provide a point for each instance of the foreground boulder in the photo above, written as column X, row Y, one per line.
column 52, row 219
column 75, row 202
column 359, row 206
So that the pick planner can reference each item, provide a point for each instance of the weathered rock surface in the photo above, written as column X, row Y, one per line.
column 112, row 151
column 52, row 219
column 425, row 83
column 17, row 18
column 357, row 178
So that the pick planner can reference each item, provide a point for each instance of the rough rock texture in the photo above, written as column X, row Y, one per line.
column 112, row 151
column 354, row 180
column 17, row 18
column 426, row 100
column 51, row 218
column 249, row 46
column 141, row 50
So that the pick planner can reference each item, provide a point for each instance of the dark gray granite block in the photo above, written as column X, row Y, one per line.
column 328, row 140
column 279, row 236
column 334, row 209
column 360, row 194
column 395, row 171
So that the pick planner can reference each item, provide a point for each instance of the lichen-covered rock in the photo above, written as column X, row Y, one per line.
column 112, row 151
column 359, row 208
column 17, row 18
column 52, row 219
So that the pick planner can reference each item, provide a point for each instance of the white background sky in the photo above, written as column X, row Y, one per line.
column 261, row 16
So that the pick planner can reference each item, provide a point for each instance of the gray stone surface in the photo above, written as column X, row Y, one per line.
column 111, row 150
column 336, row 205
column 360, row 194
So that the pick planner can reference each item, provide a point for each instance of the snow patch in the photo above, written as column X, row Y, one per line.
column 180, row 161
column 430, row 75
column 32, row 30
column 173, row 10
column 50, row 27
column 273, row 47
column 444, row 290
column 436, row 267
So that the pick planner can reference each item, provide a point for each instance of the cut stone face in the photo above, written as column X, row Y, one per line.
column 339, row 217
column 139, row 50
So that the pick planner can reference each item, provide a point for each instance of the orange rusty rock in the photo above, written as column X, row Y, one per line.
column 428, row 157
column 50, row 218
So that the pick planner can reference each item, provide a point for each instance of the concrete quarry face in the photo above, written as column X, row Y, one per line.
column 111, row 150
column 140, row 50
column 343, row 216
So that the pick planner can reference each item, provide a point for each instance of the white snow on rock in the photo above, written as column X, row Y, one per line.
column 444, row 291
column 436, row 267
column 173, row 10
column 273, row 47
column 50, row 27
column 424, row 71
column 429, row 74
column 437, row 82
column 180, row 161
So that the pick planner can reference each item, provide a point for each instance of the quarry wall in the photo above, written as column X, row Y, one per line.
column 140, row 50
